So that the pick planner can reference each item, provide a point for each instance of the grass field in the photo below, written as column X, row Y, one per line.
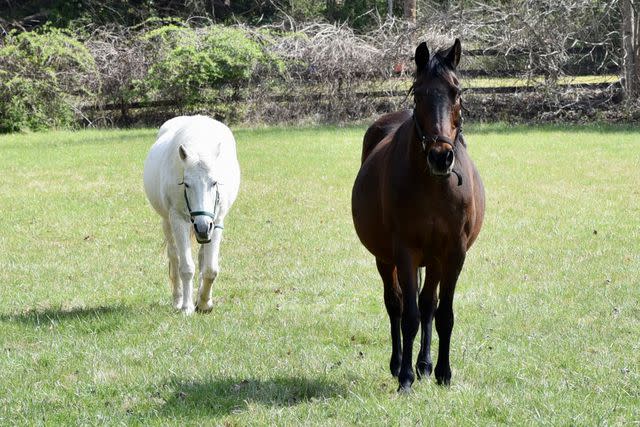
column 547, row 308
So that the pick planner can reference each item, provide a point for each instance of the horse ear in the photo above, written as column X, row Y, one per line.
column 182, row 151
column 452, row 57
column 421, row 56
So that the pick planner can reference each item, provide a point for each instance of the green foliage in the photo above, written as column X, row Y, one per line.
column 32, row 104
column 41, row 72
column 359, row 13
column 194, row 66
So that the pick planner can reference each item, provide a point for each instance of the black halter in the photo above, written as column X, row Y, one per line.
column 422, row 137
column 212, row 215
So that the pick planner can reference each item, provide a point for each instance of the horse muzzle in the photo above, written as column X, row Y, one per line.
column 441, row 161
column 203, row 228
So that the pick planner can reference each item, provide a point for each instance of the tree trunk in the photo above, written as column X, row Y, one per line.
column 389, row 9
column 631, row 48
column 410, row 11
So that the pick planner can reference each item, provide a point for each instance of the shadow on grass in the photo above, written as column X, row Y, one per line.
column 220, row 397
column 39, row 316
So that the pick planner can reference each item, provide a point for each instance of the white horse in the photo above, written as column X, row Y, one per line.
column 191, row 178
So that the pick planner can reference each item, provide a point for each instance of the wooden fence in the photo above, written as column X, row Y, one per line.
column 588, row 62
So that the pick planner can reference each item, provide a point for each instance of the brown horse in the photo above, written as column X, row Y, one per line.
column 418, row 201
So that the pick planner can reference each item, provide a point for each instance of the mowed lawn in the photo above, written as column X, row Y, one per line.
column 547, row 307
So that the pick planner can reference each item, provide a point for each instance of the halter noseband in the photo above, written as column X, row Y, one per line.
column 422, row 136
column 212, row 215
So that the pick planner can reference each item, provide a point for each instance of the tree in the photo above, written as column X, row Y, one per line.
column 410, row 11
column 631, row 48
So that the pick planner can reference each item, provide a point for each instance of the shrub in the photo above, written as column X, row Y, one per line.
column 195, row 66
column 43, row 75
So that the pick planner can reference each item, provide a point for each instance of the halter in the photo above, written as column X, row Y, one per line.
column 212, row 215
column 422, row 137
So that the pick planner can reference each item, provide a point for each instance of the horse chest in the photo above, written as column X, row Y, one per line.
column 427, row 231
column 429, row 224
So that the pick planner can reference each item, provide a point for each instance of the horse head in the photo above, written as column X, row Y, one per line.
column 437, row 113
column 200, row 193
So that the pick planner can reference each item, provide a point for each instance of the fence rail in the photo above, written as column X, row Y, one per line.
column 361, row 94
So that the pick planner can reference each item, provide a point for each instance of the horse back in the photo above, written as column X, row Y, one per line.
column 382, row 128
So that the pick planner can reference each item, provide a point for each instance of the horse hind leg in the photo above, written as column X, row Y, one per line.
column 174, row 278
column 393, row 303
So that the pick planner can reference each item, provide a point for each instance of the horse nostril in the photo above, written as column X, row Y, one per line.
column 449, row 159
column 432, row 157
column 210, row 226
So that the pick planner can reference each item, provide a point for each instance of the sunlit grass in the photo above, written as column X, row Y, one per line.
column 403, row 84
column 547, row 313
column 482, row 82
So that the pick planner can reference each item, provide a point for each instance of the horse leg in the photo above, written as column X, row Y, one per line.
column 427, row 303
column 186, row 268
column 176, row 288
column 407, row 277
column 393, row 303
column 209, row 269
column 444, row 320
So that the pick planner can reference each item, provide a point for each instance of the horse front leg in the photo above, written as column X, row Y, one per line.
column 393, row 303
column 209, row 268
column 181, row 229
column 427, row 304
column 174, row 278
column 407, row 275
column 444, row 318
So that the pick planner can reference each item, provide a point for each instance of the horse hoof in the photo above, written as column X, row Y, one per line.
column 443, row 376
column 443, row 382
column 188, row 310
column 405, row 380
column 405, row 390
column 206, row 309
column 423, row 369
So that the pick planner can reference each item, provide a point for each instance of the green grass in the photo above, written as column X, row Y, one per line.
column 547, row 307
